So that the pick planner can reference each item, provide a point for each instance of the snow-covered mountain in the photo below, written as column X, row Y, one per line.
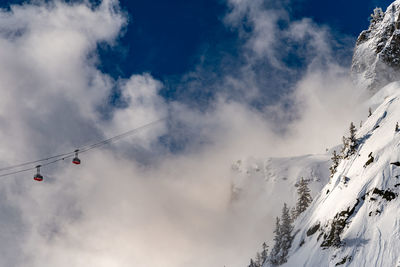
column 260, row 187
column 376, row 60
column 354, row 220
column 276, row 178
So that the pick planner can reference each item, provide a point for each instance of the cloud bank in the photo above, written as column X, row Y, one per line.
column 172, row 209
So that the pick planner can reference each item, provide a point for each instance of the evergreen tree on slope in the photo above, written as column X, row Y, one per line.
column 305, row 198
column 350, row 144
column 252, row 263
column 264, row 253
column 335, row 163
column 353, row 141
column 274, row 255
column 286, row 234
column 258, row 260
column 283, row 238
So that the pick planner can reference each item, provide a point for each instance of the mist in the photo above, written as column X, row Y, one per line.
column 174, row 208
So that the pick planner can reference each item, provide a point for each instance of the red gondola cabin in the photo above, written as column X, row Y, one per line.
column 76, row 160
column 38, row 177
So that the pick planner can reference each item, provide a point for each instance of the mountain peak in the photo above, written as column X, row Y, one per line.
column 376, row 59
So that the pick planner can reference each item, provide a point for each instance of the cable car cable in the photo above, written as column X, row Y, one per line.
column 71, row 154
column 15, row 172
column 33, row 168
column 32, row 162
column 118, row 137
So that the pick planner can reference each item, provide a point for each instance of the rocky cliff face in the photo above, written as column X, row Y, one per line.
column 376, row 59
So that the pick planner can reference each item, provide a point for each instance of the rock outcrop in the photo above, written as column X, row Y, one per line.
column 376, row 59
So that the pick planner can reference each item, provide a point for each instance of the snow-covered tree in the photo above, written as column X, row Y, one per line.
column 377, row 16
column 350, row 144
column 286, row 229
column 252, row 263
column 335, row 163
column 353, row 140
column 304, row 197
column 274, row 255
column 264, row 253
column 293, row 214
column 345, row 147
column 258, row 260
column 283, row 238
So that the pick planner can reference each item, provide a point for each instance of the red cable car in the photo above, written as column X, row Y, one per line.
column 76, row 160
column 38, row 177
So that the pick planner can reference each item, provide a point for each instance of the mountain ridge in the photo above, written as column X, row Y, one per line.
column 376, row 58
column 357, row 206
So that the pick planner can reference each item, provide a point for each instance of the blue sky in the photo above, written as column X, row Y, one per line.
column 168, row 39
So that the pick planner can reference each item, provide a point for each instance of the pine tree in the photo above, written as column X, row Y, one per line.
column 286, row 235
column 335, row 163
column 258, row 260
column 252, row 264
column 305, row 198
column 353, row 141
column 350, row 144
column 293, row 214
column 274, row 255
column 377, row 15
column 397, row 127
column 283, row 238
column 264, row 253
column 345, row 147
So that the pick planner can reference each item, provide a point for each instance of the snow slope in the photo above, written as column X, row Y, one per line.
column 261, row 186
column 275, row 178
column 362, row 200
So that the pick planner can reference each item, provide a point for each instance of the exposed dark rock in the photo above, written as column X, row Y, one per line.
column 369, row 161
column 313, row 229
column 364, row 35
column 337, row 226
column 388, row 195
column 343, row 261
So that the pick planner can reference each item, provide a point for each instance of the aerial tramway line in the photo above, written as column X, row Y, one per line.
column 15, row 169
